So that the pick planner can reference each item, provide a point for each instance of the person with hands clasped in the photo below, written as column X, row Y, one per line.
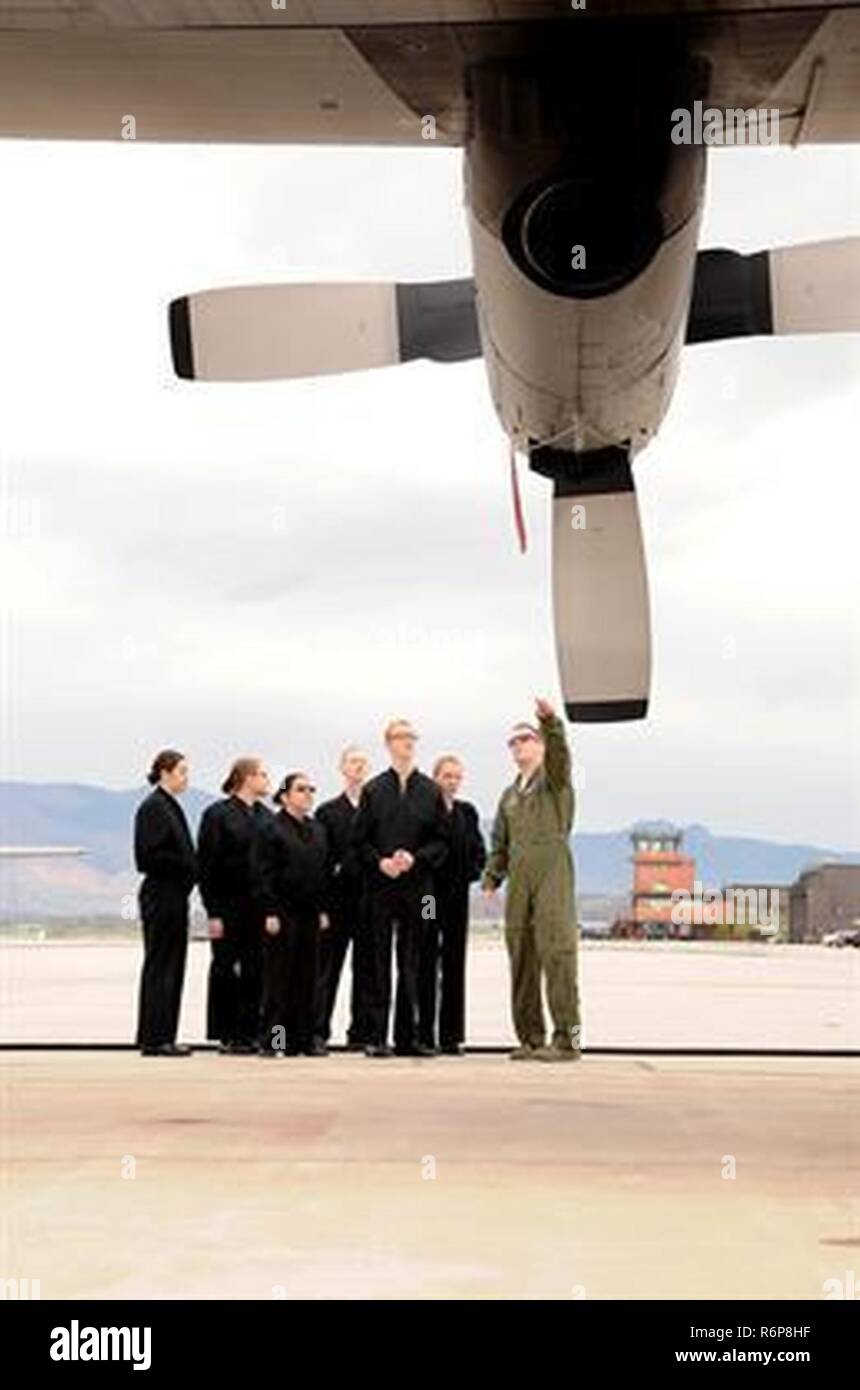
column 401, row 835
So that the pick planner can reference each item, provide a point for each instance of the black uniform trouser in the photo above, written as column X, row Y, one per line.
column 428, row 982
column 347, row 926
column 290, row 961
column 442, row 971
column 455, row 931
column 390, row 913
column 235, row 977
column 164, row 916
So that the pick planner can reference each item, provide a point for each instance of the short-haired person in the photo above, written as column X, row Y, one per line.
column 401, row 835
column 446, row 956
column 531, row 849
column 164, row 854
column 347, row 926
column 231, row 897
column 292, row 857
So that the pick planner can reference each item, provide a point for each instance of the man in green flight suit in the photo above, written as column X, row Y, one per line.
column 530, row 847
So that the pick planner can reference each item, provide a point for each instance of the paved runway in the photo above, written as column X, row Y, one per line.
column 477, row 1178
column 635, row 994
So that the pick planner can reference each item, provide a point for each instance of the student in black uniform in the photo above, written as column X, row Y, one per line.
column 228, row 830
column 466, row 858
column 291, row 858
column 345, row 906
column 164, row 854
column 401, row 834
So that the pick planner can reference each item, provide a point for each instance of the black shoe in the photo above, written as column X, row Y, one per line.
column 451, row 1050
column 271, row 1051
column 166, row 1050
column 316, row 1049
column 377, row 1050
column 418, row 1050
column 238, row 1049
column 356, row 1045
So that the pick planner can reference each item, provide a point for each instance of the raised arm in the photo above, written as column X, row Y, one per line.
column 557, row 754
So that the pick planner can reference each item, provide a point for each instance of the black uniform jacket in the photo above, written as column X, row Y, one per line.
column 468, row 853
column 291, row 859
column 412, row 818
column 344, row 865
column 228, row 830
column 163, row 847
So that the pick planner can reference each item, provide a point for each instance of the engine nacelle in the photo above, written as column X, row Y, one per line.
column 584, row 221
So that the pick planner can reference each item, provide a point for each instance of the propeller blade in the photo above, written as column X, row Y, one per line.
column 600, row 592
column 271, row 332
column 812, row 288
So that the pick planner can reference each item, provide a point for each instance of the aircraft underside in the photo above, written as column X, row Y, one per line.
column 585, row 135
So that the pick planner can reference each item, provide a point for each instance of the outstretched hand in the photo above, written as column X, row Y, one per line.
column 543, row 709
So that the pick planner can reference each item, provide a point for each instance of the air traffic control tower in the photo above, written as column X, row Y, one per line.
column 659, row 870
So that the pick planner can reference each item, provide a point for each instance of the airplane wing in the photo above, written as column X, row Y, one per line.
column 379, row 71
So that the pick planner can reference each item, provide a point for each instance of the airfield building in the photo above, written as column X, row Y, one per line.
column 825, row 899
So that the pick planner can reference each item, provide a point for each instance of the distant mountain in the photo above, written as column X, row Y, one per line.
column 101, row 820
column 68, row 813
column 49, row 813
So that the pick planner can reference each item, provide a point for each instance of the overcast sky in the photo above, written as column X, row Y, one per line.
column 279, row 568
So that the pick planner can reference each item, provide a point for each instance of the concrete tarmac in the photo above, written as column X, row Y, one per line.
column 635, row 994
column 473, row 1178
